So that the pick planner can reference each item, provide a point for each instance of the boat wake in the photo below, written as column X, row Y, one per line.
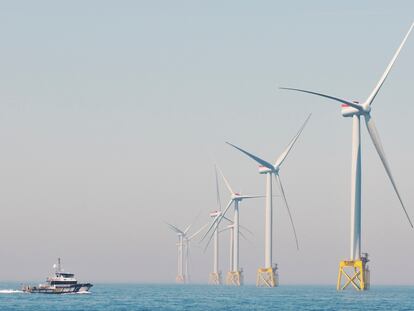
column 84, row 292
column 10, row 291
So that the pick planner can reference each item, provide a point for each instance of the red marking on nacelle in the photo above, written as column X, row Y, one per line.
column 344, row 105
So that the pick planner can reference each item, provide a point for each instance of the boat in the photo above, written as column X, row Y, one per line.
column 60, row 283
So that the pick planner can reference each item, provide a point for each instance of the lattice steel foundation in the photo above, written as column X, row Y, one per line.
column 235, row 278
column 214, row 278
column 355, row 273
column 267, row 277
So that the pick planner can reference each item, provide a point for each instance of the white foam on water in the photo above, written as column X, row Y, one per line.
column 10, row 291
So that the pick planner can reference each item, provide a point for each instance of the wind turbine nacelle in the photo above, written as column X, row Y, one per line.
column 214, row 213
column 264, row 169
column 348, row 111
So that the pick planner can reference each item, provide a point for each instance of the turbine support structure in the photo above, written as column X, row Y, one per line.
column 355, row 273
column 215, row 278
column 235, row 278
column 267, row 277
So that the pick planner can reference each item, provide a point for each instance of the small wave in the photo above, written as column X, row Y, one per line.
column 84, row 292
column 10, row 291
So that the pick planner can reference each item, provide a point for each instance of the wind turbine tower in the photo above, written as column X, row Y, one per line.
column 180, row 278
column 358, row 275
column 267, row 276
column 215, row 276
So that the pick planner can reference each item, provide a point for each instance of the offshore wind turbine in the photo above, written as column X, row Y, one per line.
column 215, row 277
column 358, row 261
column 267, row 276
column 180, row 278
column 183, row 247
column 234, row 276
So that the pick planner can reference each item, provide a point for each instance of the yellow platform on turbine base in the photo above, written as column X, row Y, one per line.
column 214, row 278
column 235, row 278
column 267, row 277
column 355, row 273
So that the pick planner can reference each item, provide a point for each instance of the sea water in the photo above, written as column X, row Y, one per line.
column 113, row 297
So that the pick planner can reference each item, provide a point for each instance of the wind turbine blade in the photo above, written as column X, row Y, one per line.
column 197, row 232
column 244, row 236
column 257, row 159
column 372, row 130
column 225, row 229
column 216, row 220
column 241, row 226
column 217, row 189
column 226, row 181
column 283, row 156
column 188, row 228
column 349, row 103
column 247, row 230
column 251, row 196
column 208, row 243
column 195, row 219
column 224, row 213
column 211, row 237
column 228, row 219
column 282, row 192
column 375, row 91
column 174, row 228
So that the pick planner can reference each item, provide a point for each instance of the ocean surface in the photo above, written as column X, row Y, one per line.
column 115, row 297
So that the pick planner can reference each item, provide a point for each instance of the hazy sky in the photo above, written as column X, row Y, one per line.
column 113, row 112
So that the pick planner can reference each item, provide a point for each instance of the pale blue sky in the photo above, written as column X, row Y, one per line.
column 112, row 113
